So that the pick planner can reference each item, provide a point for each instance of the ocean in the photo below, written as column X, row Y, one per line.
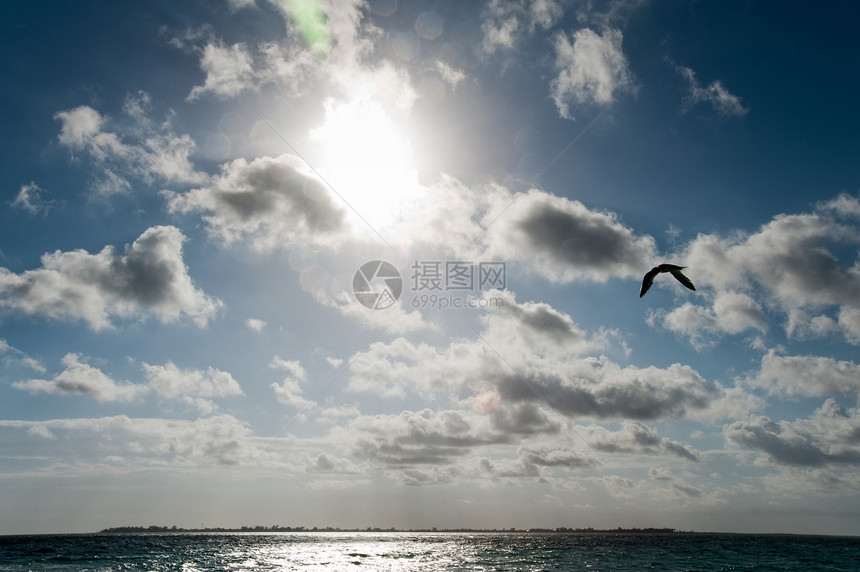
column 429, row 551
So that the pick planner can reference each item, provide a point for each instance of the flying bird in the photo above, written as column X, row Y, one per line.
column 671, row 268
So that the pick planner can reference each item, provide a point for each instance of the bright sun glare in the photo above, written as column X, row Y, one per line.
column 367, row 158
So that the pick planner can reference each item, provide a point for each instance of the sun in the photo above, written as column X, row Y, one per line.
column 367, row 159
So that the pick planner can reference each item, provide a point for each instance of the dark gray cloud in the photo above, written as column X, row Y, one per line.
column 271, row 201
column 528, row 354
column 545, row 456
column 605, row 390
column 831, row 436
column 589, row 241
column 422, row 437
column 564, row 240
column 637, row 438
column 540, row 319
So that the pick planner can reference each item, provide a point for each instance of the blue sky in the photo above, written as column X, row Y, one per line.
column 189, row 189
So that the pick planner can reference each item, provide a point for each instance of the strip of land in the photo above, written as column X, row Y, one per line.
column 278, row 528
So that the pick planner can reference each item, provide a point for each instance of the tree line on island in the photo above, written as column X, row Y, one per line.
column 278, row 528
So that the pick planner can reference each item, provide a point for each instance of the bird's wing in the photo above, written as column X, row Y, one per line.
column 648, row 281
column 682, row 279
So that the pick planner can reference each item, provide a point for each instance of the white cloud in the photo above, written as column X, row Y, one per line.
column 808, row 376
column 170, row 381
column 255, row 325
column 527, row 369
column 141, row 150
column 14, row 356
column 289, row 391
column 714, row 94
column 82, row 379
column 592, row 69
column 80, row 126
column 507, row 21
column 149, row 278
column 843, row 205
column 732, row 313
column 452, row 76
column 229, row 70
column 30, row 199
column 239, row 4
column 794, row 265
column 330, row 42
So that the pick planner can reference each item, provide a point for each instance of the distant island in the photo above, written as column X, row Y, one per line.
column 279, row 528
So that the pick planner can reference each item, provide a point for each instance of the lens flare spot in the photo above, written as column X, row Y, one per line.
column 487, row 400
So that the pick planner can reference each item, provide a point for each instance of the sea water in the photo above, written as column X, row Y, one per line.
column 608, row 552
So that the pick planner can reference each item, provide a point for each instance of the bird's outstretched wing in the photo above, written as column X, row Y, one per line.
column 682, row 279
column 648, row 281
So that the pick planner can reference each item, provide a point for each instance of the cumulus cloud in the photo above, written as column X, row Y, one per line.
column 592, row 69
column 228, row 70
column 170, row 381
column 422, row 437
column 599, row 388
column 327, row 463
column 795, row 265
column 505, row 22
column 636, row 438
column 537, row 325
column 195, row 387
column 289, row 391
column 806, row 376
column 80, row 378
column 564, row 240
column 731, row 313
column 270, row 201
column 149, row 278
column 843, row 205
column 330, row 43
column 504, row 372
column 715, row 94
column 445, row 446
column 140, row 150
column 827, row 438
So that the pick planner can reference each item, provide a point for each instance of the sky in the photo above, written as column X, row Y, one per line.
column 376, row 263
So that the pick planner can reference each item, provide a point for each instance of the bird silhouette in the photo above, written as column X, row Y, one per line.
column 672, row 269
